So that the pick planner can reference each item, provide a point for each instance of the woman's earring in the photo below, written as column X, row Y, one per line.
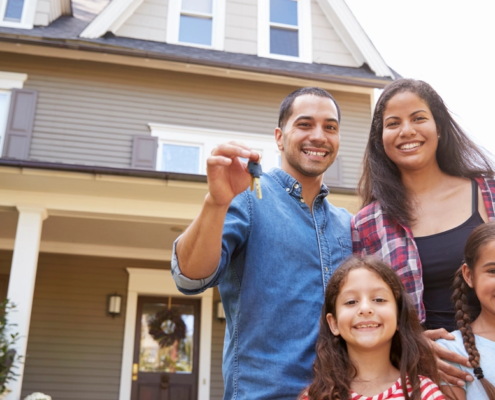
column 439, row 136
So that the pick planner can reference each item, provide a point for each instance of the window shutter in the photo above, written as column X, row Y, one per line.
column 20, row 123
column 144, row 149
column 333, row 175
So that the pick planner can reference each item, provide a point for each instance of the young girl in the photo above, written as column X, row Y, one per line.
column 370, row 344
column 476, row 340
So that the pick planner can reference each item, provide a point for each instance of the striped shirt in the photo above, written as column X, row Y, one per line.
column 429, row 391
column 373, row 232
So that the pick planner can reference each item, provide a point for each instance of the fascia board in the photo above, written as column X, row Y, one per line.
column 353, row 36
column 111, row 18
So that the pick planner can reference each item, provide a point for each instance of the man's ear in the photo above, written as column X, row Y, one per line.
column 332, row 323
column 279, row 138
column 467, row 274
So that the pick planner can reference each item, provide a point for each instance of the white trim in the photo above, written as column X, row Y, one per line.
column 218, row 25
column 353, row 36
column 153, row 282
column 12, row 80
column 111, row 18
column 96, row 250
column 208, row 139
column 304, row 28
column 27, row 18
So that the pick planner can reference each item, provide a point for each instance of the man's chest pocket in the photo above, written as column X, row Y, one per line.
column 345, row 247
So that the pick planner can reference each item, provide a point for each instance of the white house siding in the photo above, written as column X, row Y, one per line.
column 87, row 112
column 328, row 48
column 149, row 22
column 241, row 26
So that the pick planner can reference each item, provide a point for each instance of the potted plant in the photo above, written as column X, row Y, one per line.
column 8, row 354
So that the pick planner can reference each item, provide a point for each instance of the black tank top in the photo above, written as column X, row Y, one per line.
column 441, row 255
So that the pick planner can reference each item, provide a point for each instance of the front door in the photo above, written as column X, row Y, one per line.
column 166, row 349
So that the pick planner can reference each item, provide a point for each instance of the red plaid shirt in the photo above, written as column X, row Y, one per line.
column 373, row 232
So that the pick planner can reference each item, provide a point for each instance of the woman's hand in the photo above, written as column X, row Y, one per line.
column 448, row 373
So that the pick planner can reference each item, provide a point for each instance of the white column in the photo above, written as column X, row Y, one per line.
column 22, row 280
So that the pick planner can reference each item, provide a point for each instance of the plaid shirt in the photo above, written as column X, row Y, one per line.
column 373, row 232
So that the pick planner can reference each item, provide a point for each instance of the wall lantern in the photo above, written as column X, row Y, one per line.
column 220, row 311
column 114, row 304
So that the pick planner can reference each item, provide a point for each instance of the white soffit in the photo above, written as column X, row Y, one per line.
column 111, row 18
column 354, row 37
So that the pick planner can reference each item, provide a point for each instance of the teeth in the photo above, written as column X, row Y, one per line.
column 367, row 326
column 408, row 146
column 315, row 153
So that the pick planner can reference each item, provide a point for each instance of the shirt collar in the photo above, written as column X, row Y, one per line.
column 290, row 184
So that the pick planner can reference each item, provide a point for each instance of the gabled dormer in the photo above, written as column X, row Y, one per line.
column 305, row 31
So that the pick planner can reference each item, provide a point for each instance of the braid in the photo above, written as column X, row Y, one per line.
column 463, row 318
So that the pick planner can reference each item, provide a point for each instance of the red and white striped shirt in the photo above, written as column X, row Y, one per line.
column 429, row 391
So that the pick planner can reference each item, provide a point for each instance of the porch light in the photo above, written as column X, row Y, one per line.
column 220, row 311
column 114, row 304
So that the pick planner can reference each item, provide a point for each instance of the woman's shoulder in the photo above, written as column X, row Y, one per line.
column 369, row 212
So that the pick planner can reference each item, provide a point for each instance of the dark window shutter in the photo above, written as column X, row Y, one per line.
column 144, row 150
column 333, row 175
column 20, row 124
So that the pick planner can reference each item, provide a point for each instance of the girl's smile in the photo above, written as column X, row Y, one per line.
column 366, row 312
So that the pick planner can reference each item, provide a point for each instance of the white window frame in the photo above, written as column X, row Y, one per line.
column 217, row 29
column 208, row 139
column 9, row 81
column 27, row 18
column 304, row 29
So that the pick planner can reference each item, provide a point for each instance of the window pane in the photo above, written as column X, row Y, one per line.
column 13, row 12
column 283, row 12
column 158, row 355
column 204, row 6
column 285, row 42
column 183, row 159
column 195, row 30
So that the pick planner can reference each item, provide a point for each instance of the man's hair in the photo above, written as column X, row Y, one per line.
column 286, row 105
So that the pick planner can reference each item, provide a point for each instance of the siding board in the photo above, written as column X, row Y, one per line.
column 88, row 112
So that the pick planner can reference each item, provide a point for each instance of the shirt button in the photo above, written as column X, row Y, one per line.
column 287, row 189
column 302, row 200
column 326, row 269
column 296, row 185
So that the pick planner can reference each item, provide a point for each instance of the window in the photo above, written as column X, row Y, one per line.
column 17, row 13
column 284, row 30
column 198, row 23
column 185, row 149
column 4, row 112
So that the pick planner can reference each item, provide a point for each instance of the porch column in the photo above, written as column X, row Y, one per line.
column 21, row 282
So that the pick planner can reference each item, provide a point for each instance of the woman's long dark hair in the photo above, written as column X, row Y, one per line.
column 457, row 155
column 410, row 352
column 480, row 236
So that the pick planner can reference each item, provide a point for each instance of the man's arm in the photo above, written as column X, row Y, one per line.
column 199, row 248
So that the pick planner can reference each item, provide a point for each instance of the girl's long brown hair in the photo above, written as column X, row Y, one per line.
column 410, row 352
column 479, row 237
column 457, row 154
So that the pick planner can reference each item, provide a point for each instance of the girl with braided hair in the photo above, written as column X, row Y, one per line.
column 370, row 344
column 476, row 340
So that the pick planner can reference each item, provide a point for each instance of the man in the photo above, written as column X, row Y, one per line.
column 271, row 258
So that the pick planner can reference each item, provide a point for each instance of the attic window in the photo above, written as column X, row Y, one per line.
column 196, row 22
column 13, row 11
column 284, row 30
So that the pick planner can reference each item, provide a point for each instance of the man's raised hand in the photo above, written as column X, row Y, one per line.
column 227, row 173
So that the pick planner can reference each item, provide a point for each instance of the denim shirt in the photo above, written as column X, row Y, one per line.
column 277, row 258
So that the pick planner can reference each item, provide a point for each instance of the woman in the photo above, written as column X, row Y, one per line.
column 425, row 187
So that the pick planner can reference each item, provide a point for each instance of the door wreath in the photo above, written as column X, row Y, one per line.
column 167, row 326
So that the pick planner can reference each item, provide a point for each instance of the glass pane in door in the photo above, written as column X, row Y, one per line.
column 166, row 338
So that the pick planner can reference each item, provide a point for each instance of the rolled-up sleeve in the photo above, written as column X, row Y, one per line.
column 235, row 232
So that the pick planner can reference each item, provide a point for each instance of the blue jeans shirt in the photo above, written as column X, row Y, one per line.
column 277, row 258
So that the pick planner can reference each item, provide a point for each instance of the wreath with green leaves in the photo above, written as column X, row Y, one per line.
column 167, row 326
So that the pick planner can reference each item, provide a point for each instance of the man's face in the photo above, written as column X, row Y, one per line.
column 310, row 140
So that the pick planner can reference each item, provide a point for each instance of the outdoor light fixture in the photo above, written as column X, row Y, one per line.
column 220, row 311
column 114, row 304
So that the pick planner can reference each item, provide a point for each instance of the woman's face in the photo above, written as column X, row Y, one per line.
column 410, row 136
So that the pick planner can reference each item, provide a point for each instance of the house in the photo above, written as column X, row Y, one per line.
column 107, row 113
